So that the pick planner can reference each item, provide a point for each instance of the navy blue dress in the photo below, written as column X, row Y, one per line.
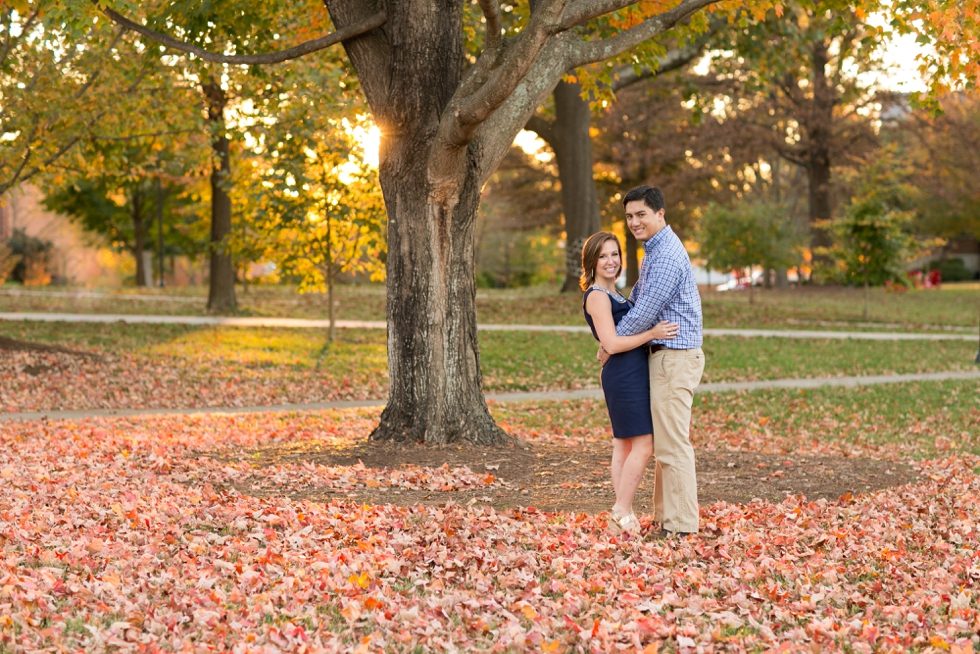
column 625, row 380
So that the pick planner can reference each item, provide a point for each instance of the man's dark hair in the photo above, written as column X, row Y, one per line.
column 650, row 195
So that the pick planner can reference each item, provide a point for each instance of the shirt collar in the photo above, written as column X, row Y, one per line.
column 656, row 238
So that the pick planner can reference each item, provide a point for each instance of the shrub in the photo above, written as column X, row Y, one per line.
column 34, row 254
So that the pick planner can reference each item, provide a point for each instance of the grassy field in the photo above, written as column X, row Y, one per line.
column 512, row 360
column 918, row 419
column 955, row 305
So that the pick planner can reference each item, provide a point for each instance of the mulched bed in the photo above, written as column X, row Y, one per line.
column 560, row 478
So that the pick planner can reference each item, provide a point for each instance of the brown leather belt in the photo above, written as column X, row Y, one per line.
column 656, row 348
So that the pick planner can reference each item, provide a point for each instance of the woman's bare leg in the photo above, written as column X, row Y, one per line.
column 621, row 450
column 631, row 471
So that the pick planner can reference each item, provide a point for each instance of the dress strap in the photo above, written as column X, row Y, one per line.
column 618, row 297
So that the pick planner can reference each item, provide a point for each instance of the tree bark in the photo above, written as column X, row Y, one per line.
column 432, row 192
column 819, row 136
column 435, row 393
column 139, row 236
column 221, row 285
column 331, row 333
column 572, row 144
column 632, row 259
column 867, row 296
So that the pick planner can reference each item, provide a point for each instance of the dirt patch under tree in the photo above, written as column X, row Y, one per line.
column 559, row 478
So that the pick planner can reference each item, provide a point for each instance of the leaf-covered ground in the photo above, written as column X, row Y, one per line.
column 173, row 366
column 144, row 535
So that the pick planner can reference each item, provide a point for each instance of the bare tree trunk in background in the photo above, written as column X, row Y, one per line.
column 632, row 259
column 221, row 288
column 332, row 331
column 573, row 154
column 139, row 236
column 867, row 296
column 820, row 133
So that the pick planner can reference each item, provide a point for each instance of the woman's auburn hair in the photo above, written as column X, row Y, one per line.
column 590, row 257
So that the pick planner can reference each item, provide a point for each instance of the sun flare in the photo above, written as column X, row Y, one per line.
column 369, row 138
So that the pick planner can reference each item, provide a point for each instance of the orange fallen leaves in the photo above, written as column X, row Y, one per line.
column 157, row 550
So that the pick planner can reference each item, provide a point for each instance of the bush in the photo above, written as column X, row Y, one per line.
column 952, row 270
column 34, row 253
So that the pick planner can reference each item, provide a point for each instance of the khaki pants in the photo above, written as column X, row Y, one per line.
column 674, row 374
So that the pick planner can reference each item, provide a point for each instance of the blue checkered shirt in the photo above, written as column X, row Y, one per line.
column 666, row 290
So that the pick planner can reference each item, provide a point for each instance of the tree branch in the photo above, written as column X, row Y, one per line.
column 349, row 32
column 585, row 10
column 491, row 11
column 24, row 29
column 68, row 145
column 131, row 137
column 674, row 59
column 590, row 52
column 518, row 57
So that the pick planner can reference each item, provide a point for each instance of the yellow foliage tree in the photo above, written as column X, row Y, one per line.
column 314, row 208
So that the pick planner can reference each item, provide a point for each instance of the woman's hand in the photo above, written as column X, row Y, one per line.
column 664, row 331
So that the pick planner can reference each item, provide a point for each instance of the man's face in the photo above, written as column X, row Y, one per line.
column 643, row 221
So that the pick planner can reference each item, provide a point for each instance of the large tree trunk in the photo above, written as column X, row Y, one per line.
column 572, row 144
column 432, row 192
column 819, row 136
column 221, row 286
column 139, row 236
column 435, row 393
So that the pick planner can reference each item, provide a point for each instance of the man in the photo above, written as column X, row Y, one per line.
column 667, row 290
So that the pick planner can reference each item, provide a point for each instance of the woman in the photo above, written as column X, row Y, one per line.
column 625, row 377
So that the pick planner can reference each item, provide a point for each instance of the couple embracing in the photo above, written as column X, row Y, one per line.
column 652, row 362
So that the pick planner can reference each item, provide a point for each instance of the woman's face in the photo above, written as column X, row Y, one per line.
column 609, row 265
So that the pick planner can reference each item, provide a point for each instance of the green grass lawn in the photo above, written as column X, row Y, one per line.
column 920, row 419
column 512, row 360
column 955, row 305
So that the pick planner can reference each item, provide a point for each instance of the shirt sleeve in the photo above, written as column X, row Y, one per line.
column 661, row 281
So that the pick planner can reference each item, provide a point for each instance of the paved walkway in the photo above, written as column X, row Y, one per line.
column 104, row 296
column 588, row 393
column 302, row 323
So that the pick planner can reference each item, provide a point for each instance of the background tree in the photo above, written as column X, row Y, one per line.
column 751, row 233
column 54, row 99
column 945, row 154
column 125, row 210
column 116, row 192
column 797, row 81
column 317, row 206
column 655, row 134
column 872, row 239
